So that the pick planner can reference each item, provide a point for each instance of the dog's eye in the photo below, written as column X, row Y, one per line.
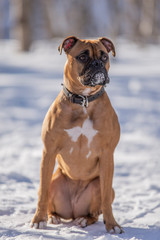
column 104, row 58
column 83, row 58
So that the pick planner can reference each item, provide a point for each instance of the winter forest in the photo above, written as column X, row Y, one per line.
column 31, row 74
column 28, row 20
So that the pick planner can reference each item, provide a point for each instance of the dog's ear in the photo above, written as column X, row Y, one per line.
column 67, row 44
column 108, row 45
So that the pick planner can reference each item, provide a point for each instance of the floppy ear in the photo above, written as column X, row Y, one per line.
column 108, row 45
column 67, row 44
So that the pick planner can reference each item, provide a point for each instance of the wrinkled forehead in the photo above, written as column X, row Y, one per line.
column 93, row 46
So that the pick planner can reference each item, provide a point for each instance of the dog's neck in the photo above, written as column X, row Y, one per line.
column 78, row 88
column 82, row 99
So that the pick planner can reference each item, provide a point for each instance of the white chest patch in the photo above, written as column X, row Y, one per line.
column 89, row 154
column 71, row 150
column 87, row 130
column 86, row 91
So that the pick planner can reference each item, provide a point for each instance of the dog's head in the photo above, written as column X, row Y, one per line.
column 88, row 60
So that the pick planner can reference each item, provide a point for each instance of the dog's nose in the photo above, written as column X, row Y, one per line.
column 97, row 63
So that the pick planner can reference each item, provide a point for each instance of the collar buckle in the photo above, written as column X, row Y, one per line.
column 84, row 101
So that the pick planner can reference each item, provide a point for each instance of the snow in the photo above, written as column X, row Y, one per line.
column 29, row 83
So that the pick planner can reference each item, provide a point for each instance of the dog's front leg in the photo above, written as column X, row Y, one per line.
column 47, row 166
column 107, row 193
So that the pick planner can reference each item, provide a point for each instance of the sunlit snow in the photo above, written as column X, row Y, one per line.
column 29, row 83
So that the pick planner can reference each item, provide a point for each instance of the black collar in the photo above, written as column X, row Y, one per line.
column 80, row 99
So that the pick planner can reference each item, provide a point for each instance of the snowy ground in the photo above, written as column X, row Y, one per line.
column 28, row 85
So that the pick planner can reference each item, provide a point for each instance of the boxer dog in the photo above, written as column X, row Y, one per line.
column 80, row 131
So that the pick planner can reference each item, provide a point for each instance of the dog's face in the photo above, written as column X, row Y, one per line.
column 88, row 60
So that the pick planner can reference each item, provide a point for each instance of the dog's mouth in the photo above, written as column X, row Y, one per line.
column 98, row 78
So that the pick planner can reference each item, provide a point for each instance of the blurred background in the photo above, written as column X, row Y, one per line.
column 30, row 20
column 31, row 73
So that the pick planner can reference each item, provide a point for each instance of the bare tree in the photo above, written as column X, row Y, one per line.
column 47, row 6
column 147, row 21
column 23, row 31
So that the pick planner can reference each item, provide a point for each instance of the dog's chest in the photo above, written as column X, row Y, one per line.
column 86, row 130
column 81, row 137
column 79, row 154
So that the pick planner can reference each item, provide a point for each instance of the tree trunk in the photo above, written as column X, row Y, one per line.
column 23, row 23
column 147, row 18
column 47, row 7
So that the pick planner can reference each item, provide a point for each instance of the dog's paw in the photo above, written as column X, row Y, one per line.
column 81, row 221
column 40, row 225
column 39, row 220
column 111, row 225
column 54, row 220
column 116, row 230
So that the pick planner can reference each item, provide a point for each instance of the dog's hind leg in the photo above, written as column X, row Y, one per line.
column 85, row 221
column 59, row 205
column 53, row 218
column 88, row 207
